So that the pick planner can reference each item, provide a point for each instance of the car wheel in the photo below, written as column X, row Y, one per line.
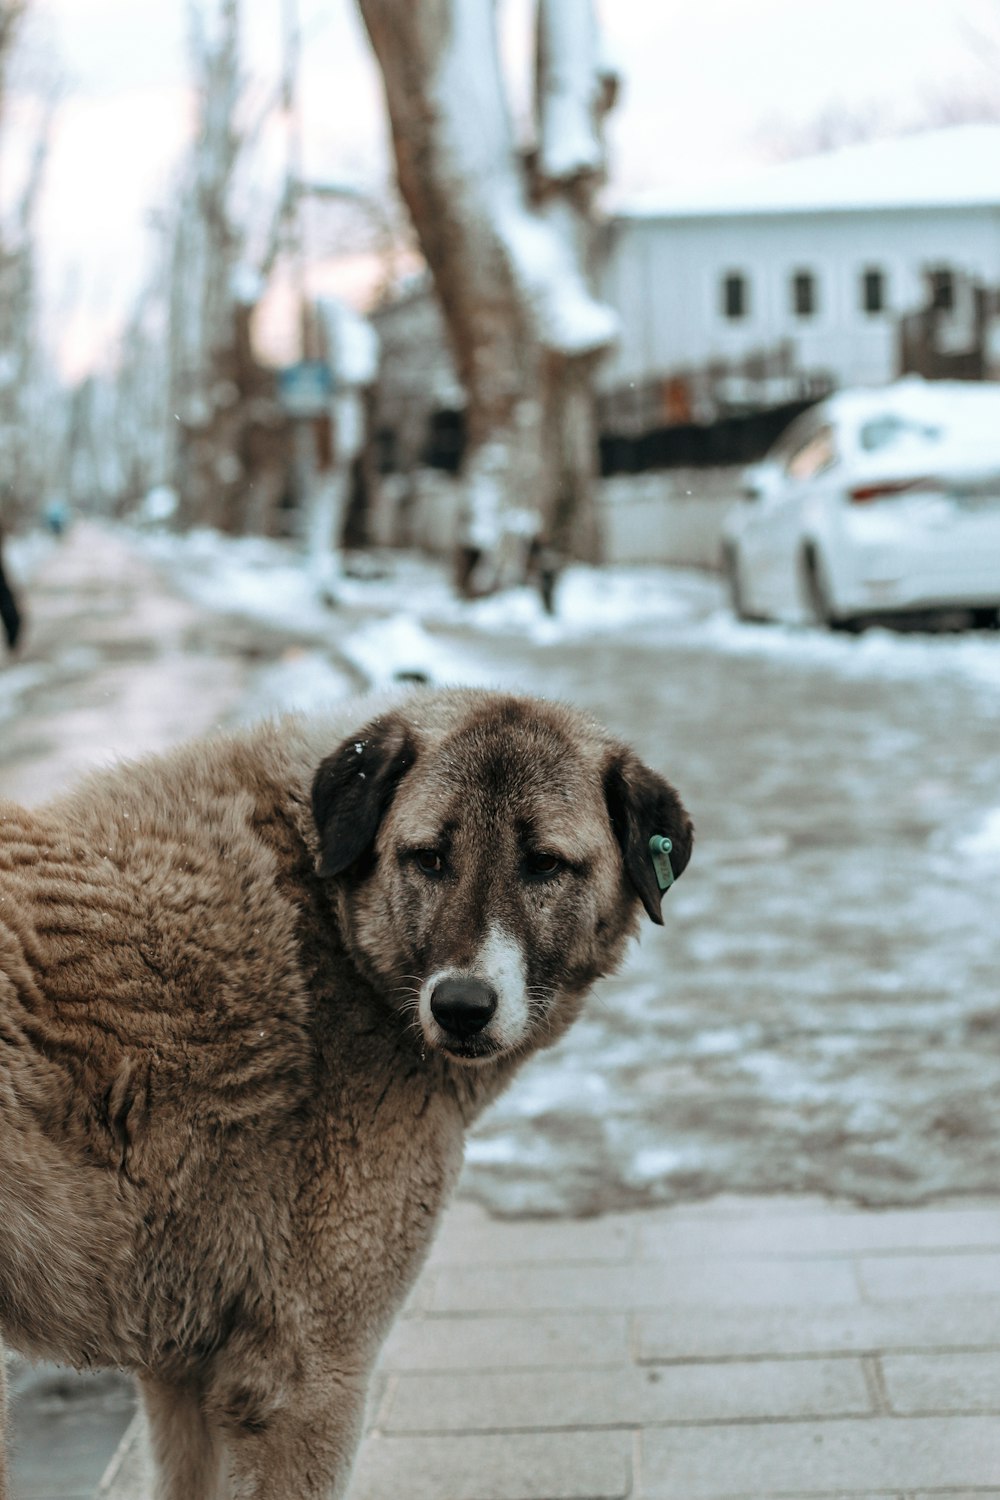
column 819, row 595
column 734, row 583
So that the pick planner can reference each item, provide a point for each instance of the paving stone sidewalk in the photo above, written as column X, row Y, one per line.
column 742, row 1348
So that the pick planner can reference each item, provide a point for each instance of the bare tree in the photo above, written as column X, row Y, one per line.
column 19, row 373
column 506, row 243
column 835, row 126
column 231, row 442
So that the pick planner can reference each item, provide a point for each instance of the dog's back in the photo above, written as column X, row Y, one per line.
column 150, row 1009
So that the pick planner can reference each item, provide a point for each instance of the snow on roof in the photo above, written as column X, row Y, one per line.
column 957, row 166
column 954, row 402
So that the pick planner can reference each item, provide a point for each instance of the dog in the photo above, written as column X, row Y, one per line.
column 252, row 995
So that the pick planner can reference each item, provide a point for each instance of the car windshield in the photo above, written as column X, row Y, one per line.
column 889, row 429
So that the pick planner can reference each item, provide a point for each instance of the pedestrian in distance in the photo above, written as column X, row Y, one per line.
column 10, row 615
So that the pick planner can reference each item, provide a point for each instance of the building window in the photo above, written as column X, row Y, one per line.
column 735, row 295
column 941, row 280
column 803, row 294
column 873, row 298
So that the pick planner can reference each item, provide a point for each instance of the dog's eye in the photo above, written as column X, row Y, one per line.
column 429, row 861
column 540, row 865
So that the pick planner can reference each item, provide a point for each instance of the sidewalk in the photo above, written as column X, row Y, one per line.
column 743, row 1348
column 112, row 667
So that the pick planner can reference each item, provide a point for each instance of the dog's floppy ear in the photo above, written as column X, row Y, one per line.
column 353, row 788
column 641, row 804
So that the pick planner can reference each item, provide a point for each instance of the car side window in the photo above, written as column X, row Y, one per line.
column 889, row 428
column 816, row 453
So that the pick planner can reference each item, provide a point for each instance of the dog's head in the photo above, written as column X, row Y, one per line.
column 490, row 855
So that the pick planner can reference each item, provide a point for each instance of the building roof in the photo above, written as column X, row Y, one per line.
column 955, row 167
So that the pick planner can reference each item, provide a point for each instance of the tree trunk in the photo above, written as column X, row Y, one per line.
column 509, row 283
column 574, row 90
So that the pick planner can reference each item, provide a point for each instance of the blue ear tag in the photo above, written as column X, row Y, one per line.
column 660, row 847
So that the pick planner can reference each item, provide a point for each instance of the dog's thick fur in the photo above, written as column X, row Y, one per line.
column 251, row 996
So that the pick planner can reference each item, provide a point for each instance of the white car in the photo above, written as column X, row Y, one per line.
column 881, row 502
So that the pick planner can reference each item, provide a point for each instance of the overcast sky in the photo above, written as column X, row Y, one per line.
column 701, row 84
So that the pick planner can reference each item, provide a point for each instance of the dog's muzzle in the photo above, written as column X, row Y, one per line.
column 463, row 1007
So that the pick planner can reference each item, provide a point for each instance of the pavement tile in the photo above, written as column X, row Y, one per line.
column 687, row 1333
column 520, row 1466
column 576, row 1340
column 625, row 1397
column 847, row 1458
column 834, row 1232
column 942, row 1382
column 65, row 1427
column 897, row 1277
column 645, row 1284
column 739, row 1206
column 470, row 1235
column 130, row 1474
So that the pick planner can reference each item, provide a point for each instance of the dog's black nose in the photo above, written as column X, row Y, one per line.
column 463, row 1006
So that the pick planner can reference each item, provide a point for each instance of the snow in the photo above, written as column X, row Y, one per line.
column 415, row 608
column 353, row 344
column 469, row 87
column 400, row 647
column 952, row 167
column 958, row 420
column 570, row 320
column 984, row 843
column 23, row 555
column 571, row 76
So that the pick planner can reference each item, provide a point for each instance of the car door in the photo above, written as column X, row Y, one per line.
column 763, row 485
column 772, row 544
column 808, row 474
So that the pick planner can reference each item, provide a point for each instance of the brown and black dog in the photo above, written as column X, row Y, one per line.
column 252, row 994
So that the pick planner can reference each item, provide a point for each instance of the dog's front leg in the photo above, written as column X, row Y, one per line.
column 306, row 1449
column 188, row 1450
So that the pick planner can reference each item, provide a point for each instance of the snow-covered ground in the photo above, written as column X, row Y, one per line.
column 413, row 609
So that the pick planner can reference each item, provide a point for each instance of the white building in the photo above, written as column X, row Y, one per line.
column 800, row 275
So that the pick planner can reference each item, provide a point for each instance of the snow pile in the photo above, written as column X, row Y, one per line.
column 252, row 576
column 590, row 602
column 878, row 654
column 399, row 649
